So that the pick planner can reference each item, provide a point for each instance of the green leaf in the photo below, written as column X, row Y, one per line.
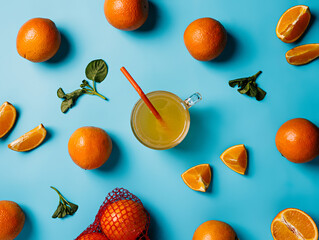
column 261, row 94
column 96, row 70
column 245, row 89
column 85, row 84
column 74, row 207
column 75, row 94
column 57, row 211
column 60, row 93
column 249, row 86
column 66, row 105
column 253, row 90
column 233, row 83
column 64, row 208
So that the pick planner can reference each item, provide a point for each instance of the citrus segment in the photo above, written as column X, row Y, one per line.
column 198, row 178
column 8, row 116
column 293, row 224
column 29, row 140
column 293, row 23
column 235, row 158
column 281, row 231
column 303, row 54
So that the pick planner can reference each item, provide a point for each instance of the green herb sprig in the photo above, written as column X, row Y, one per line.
column 65, row 207
column 249, row 86
column 96, row 71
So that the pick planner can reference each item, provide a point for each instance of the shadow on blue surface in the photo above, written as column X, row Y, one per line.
column 198, row 140
column 210, row 187
column 26, row 233
column 314, row 163
column 114, row 158
column 154, row 230
column 229, row 50
column 49, row 135
column 152, row 19
column 248, row 149
column 63, row 52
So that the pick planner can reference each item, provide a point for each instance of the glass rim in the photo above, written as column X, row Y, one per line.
column 182, row 136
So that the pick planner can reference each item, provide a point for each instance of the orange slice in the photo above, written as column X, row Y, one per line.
column 293, row 23
column 8, row 116
column 293, row 224
column 198, row 178
column 303, row 54
column 235, row 158
column 29, row 140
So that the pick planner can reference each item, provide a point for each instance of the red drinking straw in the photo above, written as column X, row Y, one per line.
column 141, row 93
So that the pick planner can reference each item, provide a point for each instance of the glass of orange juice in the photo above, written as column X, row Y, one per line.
column 172, row 130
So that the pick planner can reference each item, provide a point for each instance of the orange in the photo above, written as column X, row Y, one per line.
column 8, row 116
column 90, row 147
column 205, row 39
column 215, row 230
column 93, row 236
column 11, row 220
column 124, row 220
column 29, row 140
column 293, row 23
column 198, row 178
column 38, row 40
column 293, row 224
column 303, row 54
column 126, row 15
column 235, row 158
column 298, row 140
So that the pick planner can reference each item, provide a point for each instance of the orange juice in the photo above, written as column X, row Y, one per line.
column 154, row 133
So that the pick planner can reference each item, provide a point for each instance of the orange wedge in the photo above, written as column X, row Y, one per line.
column 293, row 224
column 303, row 54
column 8, row 115
column 235, row 158
column 198, row 178
column 29, row 140
column 293, row 23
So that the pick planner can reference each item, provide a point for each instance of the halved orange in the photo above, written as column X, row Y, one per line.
column 293, row 224
column 235, row 158
column 29, row 140
column 8, row 115
column 303, row 54
column 198, row 178
column 293, row 23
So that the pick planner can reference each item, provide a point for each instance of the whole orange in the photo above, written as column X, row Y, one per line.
column 123, row 219
column 11, row 220
column 38, row 40
column 205, row 39
column 215, row 230
column 93, row 236
column 126, row 15
column 90, row 147
column 298, row 140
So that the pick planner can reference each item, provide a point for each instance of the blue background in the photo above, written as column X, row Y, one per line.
column 156, row 57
